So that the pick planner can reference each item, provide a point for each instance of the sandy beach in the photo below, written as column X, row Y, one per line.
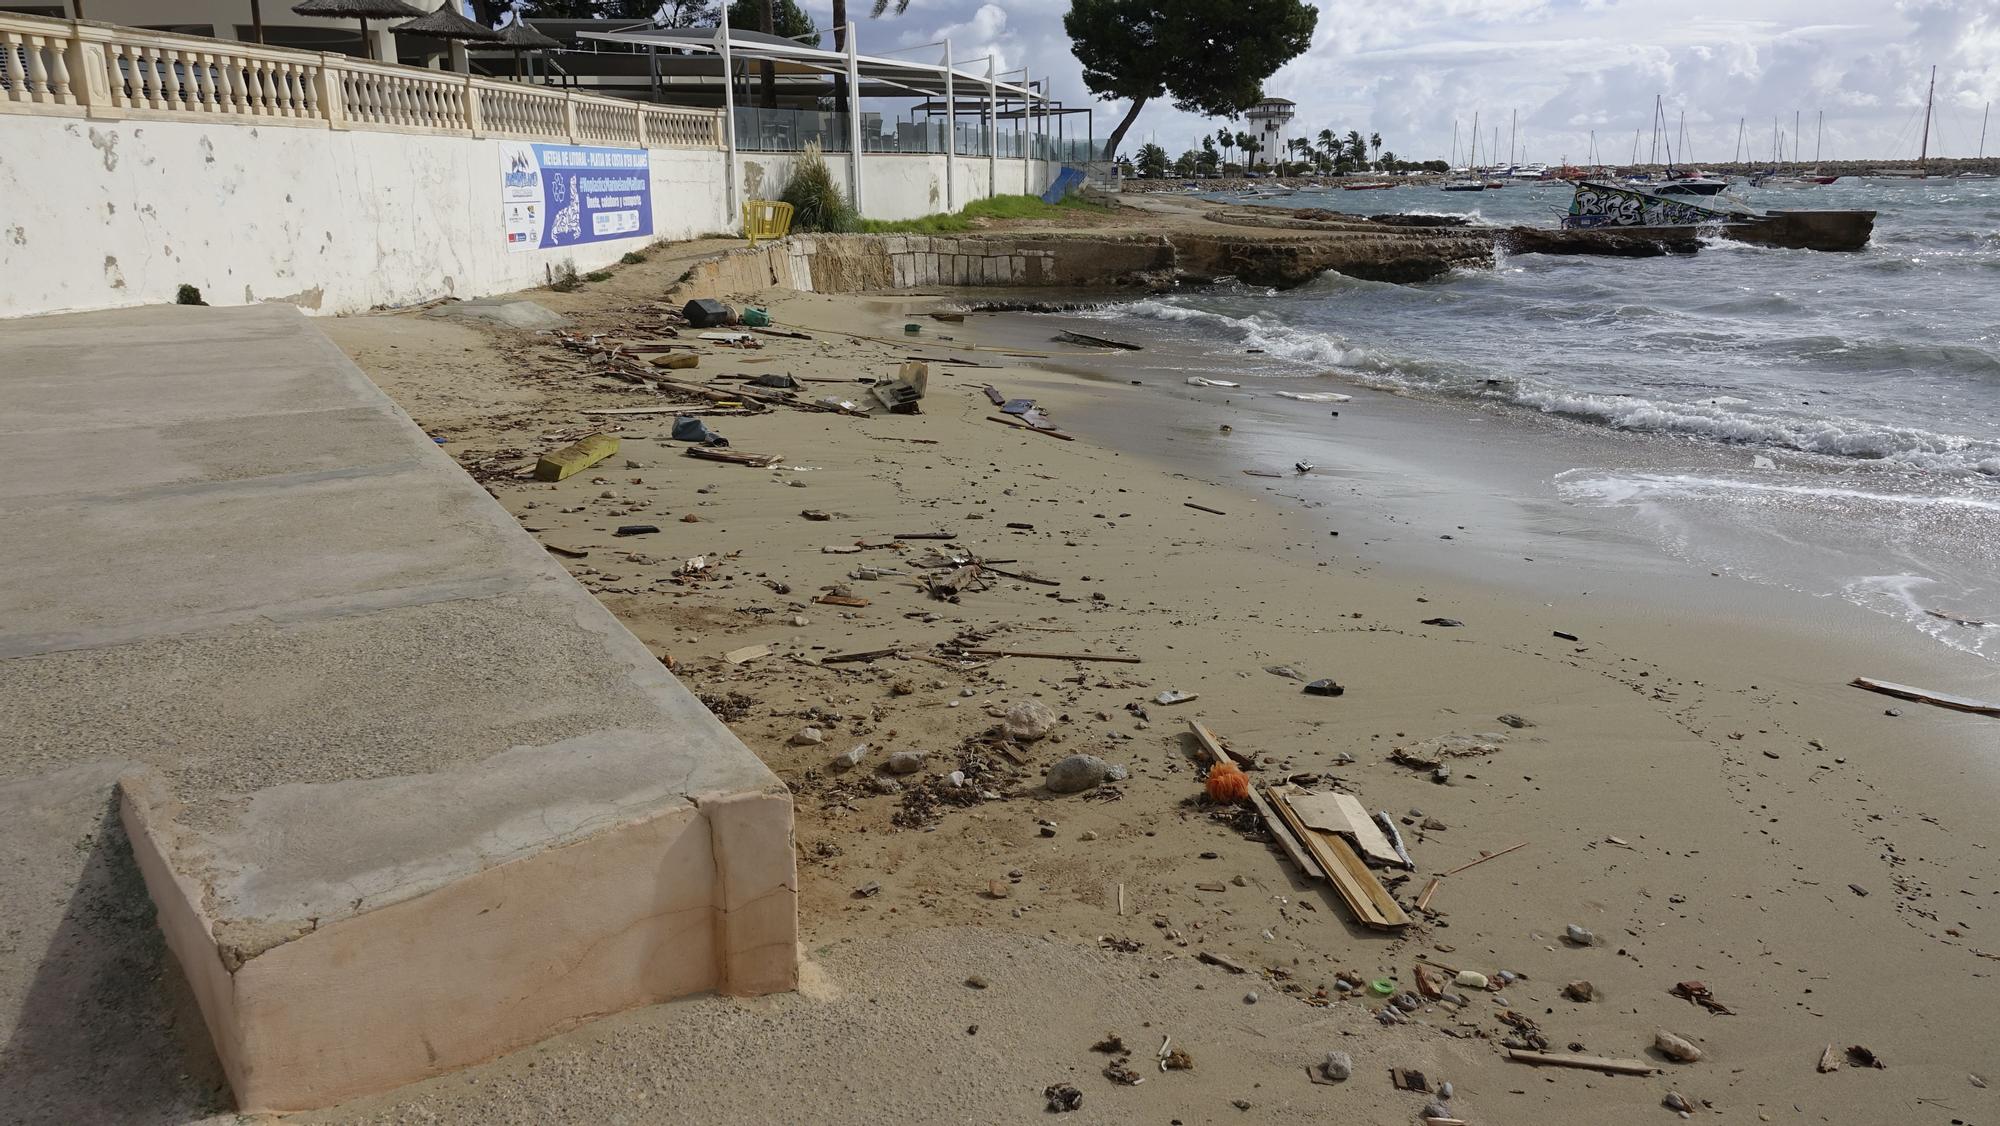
column 1688, row 776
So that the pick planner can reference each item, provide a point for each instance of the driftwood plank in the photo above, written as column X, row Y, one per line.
column 1924, row 696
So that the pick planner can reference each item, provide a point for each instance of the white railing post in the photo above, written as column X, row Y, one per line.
column 91, row 74
column 569, row 117
column 639, row 125
column 475, row 107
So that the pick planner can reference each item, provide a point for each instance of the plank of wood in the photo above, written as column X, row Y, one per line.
column 1283, row 833
column 705, row 412
column 1430, row 889
column 1366, row 898
column 1023, row 576
column 1584, row 1063
column 840, row 600
column 1925, row 696
column 1118, row 658
column 1203, row 508
column 575, row 458
column 566, row 552
column 1261, row 473
column 1215, row 748
column 870, row 655
column 1343, row 814
column 747, row 653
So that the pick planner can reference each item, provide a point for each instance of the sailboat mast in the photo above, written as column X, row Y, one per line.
column 1513, row 131
column 1819, row 134
column 1472, row 154
column 1684, row 138
column 1454, row 140
column 1654, row 158
column 1796, row 159
column 1982, row 129
column 1924, row 154
column 1635, row 147
column 1739, row 139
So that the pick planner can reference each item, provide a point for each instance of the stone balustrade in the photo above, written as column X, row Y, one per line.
column 82, row 69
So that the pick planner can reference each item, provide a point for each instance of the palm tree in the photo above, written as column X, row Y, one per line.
column 1227, row 140
column 1375, row 142
column 1357, row 146
column 1247, row 145
column 840, row 44
column 881, row 6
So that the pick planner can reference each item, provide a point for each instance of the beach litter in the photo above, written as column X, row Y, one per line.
column 1324, row 687
column 1924, row 696
column 1316, row 396
column 1204, row 381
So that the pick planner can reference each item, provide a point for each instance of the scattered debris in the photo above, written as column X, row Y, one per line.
column 1364, row 895
column 1449, row 623
column 1565, row 636
column 1062, row 1097
column 1862, row 1057
column 636, row 530
column 1170, row 697
column 1204, row 381
column 1118, row 658
column 755, row 461
column 1512, row 720
column 1324, row 687
column 1409, row 1079
column 1203, row 508
column 1581, row 991
column 1829, row 1060
column 1486, row 856
column 1068, row 337
column 1697, row 993
column 747, row 653
column 1214, row 959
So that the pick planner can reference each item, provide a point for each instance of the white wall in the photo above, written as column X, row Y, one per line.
column 102, row 214
column 897, row 185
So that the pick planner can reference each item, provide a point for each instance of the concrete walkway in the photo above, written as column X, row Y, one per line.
column 403, row 794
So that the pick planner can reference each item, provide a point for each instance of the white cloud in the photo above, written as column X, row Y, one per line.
column 1409, row 68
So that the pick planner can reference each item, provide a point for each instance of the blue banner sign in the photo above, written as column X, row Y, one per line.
column 560, row 195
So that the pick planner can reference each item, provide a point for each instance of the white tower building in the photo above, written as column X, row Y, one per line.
column 1268, row 120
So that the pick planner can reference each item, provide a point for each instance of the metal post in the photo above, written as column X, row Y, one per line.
column 854, row 119
column 1027, row 128
column 950, row 135
column 730, row 207
column 992, row 133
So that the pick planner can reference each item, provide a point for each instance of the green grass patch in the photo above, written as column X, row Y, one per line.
column 632, row 258
column 597, row 276
column 998, row 207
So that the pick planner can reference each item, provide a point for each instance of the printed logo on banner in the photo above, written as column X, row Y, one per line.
column 562, row 195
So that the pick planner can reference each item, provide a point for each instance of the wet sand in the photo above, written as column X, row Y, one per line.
column 1697, row 785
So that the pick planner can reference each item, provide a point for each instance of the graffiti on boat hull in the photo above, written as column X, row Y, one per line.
column 1604, row 205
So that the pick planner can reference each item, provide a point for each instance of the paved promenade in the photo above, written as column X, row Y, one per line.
column 283, row 691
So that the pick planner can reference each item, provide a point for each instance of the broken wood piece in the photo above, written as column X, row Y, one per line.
column 840, row 549
column 1430, row 889
column 1829, row 1060
column 1203, row 508
column 870, row 655
column 1583, row 1063
column 1282, row 833
column 785, row 333
column 705, row 412
column 1261, row 473
column 1050, row 431
column 1923, row 696
column 1366, row 899
column 1483, row 859
column 1068, row 337
column 1024, row 576
column 840, row 600
column 1343, row 814
column 566, row 552
column 925, row 536
column 1215, row 959
column 747, row 653
column 1216, row 750
column 755, row 461
column 676, row 360
column 575, row 458
column 1119, row 658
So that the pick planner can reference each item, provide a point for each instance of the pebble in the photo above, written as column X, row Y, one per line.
column 906, row 762
column 1076, row 773
column 1470, row 979
column 1580, row 991
column 1444, row 1090
column 1436, row 1109
column 808, row 736
column 1029, row 720
column 977, row 982
column 883, row 785
column 1579, row 935
column 1250, row 998
column 800, row 621
column 850, row 757
column 1675, row 1047
column 1676, row 1101
column 1338, row 1066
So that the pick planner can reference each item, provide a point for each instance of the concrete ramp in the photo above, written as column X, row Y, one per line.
column 404, row 795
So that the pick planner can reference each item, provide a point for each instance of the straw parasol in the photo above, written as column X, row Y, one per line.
column 449, row 22
column 522, row 36
column 363, row 10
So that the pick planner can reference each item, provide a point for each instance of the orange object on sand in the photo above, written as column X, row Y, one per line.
column 1227, row 783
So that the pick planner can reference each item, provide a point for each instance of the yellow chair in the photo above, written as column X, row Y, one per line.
column 765, row 219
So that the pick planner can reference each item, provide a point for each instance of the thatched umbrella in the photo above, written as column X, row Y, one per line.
column 363, row 10
column 522, row 36
column 448, row 22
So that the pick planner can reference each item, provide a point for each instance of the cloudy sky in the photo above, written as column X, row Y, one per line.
column 1408, row 68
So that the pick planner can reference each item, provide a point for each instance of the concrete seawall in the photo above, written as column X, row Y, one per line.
column 403, row 795
column 852, row 263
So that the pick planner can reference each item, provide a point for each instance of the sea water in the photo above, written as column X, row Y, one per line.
column 1854, row 398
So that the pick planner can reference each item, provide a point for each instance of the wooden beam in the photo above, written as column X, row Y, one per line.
column 1582, row 1063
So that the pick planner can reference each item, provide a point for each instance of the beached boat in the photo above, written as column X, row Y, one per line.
column 1599, row 205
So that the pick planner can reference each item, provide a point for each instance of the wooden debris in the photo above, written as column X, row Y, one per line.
column 575, row 458
column 1409, row 1079
column 1118, row 658
column 1215, row 959
column 1216, row 749
column 1366, row 898
column 869, row 655
column 1829, row 1060
column 1024, row 576
column 1203, row 508
column 747, row 653
column 1582, row 1063
column 840, row 600
column 1067, row 337
column 1343, row 814
column 703, row 412
column 1923, row 696
column 566, row 552
column 756, row 461
column 1483, row 859
column 1430, row 889
column 1306, row 865
column 1050, row 431
column 1262, row 473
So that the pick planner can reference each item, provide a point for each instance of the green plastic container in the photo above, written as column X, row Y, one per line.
column 913, row 328
column 756, row 318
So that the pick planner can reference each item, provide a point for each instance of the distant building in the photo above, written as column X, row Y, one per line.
column 1268, row 121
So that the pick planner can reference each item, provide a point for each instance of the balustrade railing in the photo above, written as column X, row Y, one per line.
column 79, row 69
